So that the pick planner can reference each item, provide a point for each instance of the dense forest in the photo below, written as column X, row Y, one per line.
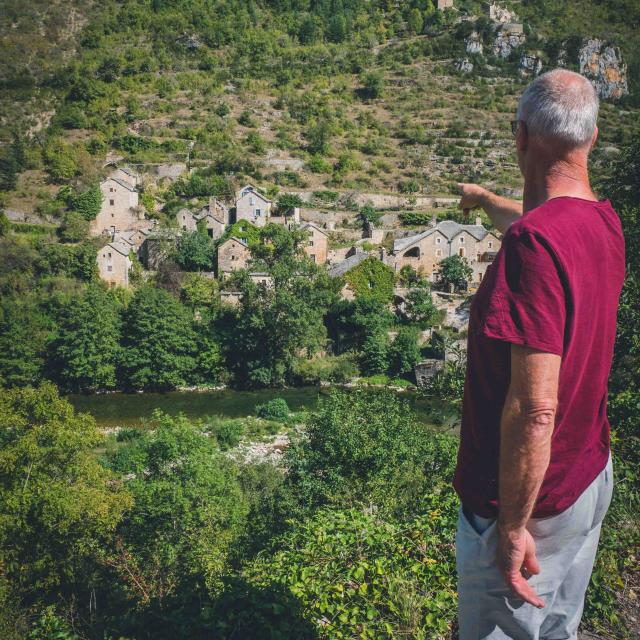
column 165, row 531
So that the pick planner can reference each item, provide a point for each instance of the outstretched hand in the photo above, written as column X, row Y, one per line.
column 472, row 196
column 517, row 561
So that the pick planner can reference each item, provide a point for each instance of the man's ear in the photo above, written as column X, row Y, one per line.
column 594, row 138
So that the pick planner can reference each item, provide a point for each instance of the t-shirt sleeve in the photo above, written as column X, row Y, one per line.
column 527, row 305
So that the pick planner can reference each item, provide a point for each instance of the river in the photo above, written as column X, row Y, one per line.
column 131, row 409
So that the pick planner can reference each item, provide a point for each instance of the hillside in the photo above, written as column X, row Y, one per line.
column 351, row 96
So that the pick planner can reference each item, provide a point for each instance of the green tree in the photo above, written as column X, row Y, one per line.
column 58, row 506
column 420, row 306
column 404, row 352
column 24, row 333
column 369, row 214
column 5, row 225
column 275, row 324
column 360, row 446
column 372, row 85
column 194, row 252
column 415, row 21
column 351, row 322
column 86, row 350
column 374, row 357
column 158, row 342
column 74, row 227
column 188, row 510
column 337, row 28
column 455, row 271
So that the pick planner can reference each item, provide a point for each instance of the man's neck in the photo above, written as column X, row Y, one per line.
column 556, row 178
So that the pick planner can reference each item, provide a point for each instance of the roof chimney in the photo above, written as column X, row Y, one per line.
column 478, row 221
column 434, row 221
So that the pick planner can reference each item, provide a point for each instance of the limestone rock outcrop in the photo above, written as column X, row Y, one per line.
column 602, row 63
column 508, row 38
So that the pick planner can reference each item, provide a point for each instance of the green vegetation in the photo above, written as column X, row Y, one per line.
column 166, row 531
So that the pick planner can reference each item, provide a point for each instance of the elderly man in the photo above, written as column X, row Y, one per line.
column 534, row 469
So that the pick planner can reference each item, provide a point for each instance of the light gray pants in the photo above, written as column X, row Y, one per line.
column 566, row 547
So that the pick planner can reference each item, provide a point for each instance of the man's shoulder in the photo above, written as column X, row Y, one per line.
column 562, row 217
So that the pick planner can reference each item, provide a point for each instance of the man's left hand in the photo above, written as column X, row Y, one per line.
column 516, row 558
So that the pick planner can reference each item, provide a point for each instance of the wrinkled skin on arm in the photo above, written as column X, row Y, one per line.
column 526, row 428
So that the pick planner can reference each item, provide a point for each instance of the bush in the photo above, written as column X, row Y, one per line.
column 276, row 409
column 360, row 576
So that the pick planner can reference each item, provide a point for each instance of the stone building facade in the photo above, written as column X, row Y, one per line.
column 252, row 206
column 424, row 251
column 114, row 263
column 318, row 243
column 233, row 255
column 119, row 210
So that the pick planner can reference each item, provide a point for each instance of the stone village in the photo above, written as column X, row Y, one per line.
column 121, row 221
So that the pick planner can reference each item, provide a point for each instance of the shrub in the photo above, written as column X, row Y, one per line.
column 276, row 409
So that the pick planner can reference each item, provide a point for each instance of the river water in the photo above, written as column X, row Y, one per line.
column 131, row 409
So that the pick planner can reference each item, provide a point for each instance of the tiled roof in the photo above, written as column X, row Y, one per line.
column 449, row 229
column 251, row 188
column 349, row 263
column 120, row 247
column 122, row 183
column 310, row 225
column 240, row 240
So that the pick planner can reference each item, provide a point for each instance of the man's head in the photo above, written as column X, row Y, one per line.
column 557, row 116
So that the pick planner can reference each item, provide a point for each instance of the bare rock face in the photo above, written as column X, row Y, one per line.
column 499, row 14
column 508, row 38
column 464, row 64
column 530, row 64
column 602, row 63
column 473, row 43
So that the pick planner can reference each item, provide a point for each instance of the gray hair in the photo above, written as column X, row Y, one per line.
column 560, row 106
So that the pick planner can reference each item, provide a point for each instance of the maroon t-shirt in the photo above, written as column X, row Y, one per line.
column 554, row 286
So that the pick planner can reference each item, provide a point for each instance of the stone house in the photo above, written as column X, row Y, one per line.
column 233, row 255
column 318, row 243
column 214, row 216
column 157, row 248
column 344, row 266
column 263, row 278
column 126, row 174
column 114, row 263
column 425, row 250
column 251, row 205
column 119, row 210
column 132, row 237
column 186, row 220
column 445, row 4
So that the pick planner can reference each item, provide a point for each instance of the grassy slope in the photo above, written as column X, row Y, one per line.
column 431, row 128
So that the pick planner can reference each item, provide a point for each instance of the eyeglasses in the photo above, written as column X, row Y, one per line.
column 514, row 127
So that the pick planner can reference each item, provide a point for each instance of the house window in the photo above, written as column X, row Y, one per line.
column 210, row 232
column 461, row 239
column 438, row 252
column 490, row 245
column 258, row 212
column 109, row 255
column 111, row 189
column 311, row 243
column 438, row 240
column 109, row 268
column 313, row 258
column 112, row 202
column 480, row 276
column 184, row 227
column 233, row 257
column 252, row 201
column 461, row 252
